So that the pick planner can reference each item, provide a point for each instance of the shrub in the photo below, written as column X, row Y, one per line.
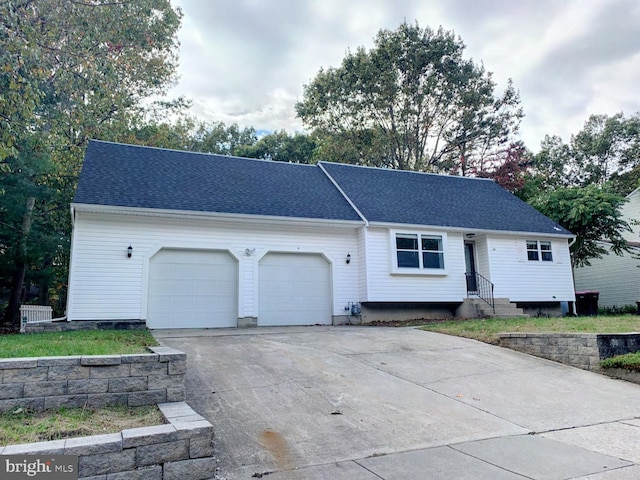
column 615, row 311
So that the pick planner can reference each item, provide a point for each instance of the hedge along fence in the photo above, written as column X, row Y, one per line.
column 93, row 380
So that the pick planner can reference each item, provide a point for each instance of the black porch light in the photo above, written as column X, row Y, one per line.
column 129, row 251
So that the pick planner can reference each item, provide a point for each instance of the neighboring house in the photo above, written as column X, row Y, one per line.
column 181, row 239
column 616, row 277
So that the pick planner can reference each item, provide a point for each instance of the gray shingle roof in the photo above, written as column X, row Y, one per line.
column 133, row 176
column 412, row 198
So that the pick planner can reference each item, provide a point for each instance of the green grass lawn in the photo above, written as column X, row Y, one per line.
column 20, row 426
column 81, row 342
column 487, row 330
column 630, row 361
column 23, row 426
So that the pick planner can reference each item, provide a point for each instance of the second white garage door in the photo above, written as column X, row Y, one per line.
column 192, row 289
column 294, row 289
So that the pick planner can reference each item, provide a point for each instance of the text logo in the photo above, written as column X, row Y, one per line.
column 50, row 467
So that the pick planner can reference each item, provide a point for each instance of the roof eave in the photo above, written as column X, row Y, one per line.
column 218, row 216
column 466, row 230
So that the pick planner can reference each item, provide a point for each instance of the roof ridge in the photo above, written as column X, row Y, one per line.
column 207, row 154
column 384, row 169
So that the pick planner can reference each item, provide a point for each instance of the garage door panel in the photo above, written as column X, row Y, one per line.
column 192, row 289
column 294, row 289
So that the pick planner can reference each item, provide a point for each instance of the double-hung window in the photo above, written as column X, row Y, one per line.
column 419, row 251
column 539, row 251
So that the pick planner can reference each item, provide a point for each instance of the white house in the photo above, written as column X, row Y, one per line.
column 617, row 277
column 180, row 239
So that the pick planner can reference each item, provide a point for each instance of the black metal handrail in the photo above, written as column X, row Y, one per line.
column 481, row 287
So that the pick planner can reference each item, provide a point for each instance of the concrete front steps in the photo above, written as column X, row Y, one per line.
column 475, row 307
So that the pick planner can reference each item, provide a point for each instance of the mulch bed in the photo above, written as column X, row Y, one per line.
column 404, row 323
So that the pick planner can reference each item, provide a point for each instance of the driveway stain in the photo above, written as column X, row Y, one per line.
column 277, row 445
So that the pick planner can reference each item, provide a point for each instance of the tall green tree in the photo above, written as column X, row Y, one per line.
column 412, row 102
column 69, row 71
column 280, row 146
column 607, row 148
column 592, row 213
column 221, row 139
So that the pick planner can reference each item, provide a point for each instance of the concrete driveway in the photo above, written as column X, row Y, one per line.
column 364, row 403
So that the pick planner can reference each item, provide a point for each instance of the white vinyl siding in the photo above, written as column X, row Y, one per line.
column 385, row 285
column 363, row 280
column 106, row 285
column 482, row 257
column 630, row 212
column 294, row 289
column 616, row 277
column 521, row 280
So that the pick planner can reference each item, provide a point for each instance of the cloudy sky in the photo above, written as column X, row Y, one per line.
column 246, row 61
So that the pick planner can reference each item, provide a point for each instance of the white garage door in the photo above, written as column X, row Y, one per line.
column 294, row 289
column 192, row 289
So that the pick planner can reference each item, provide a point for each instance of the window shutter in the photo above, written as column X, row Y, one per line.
column 556, row 248
column 521, row 249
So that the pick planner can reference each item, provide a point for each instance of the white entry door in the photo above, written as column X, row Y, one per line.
column 294, row 289
column 192, row 289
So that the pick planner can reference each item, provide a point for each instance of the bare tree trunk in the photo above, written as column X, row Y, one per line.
column 12, row 314
column 43, row 290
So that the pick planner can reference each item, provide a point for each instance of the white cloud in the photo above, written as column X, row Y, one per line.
column 246, row 61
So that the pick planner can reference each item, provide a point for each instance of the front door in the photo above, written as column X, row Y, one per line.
column 470, row 267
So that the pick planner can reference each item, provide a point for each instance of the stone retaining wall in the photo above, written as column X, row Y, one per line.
column 582, row 350
column 93, row 380
column 179, row 450
column 64, row 326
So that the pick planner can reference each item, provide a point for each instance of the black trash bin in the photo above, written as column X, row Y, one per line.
column 587, row 303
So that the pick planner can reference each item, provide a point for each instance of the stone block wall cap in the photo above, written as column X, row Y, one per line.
column 94, row 444
column 54, row 447
column 175, row 410
column 136, row 437
column 20, row 362
column 97, row 360
column 59, row 361
column 139, row 357
column 193, row 429
column 168, row 353
column 137, row 432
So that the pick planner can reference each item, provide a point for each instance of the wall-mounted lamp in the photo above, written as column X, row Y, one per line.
column 470, row 235
column 348, row 258
column 129, row 251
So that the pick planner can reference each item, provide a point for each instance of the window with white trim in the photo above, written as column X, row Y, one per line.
column 420, row 251
column 539, row 251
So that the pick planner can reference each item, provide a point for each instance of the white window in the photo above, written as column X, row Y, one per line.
column 539, row 251
column 419, row 251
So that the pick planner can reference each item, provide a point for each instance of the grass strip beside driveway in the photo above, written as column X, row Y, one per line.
column 81, row 342
column 487, row 330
